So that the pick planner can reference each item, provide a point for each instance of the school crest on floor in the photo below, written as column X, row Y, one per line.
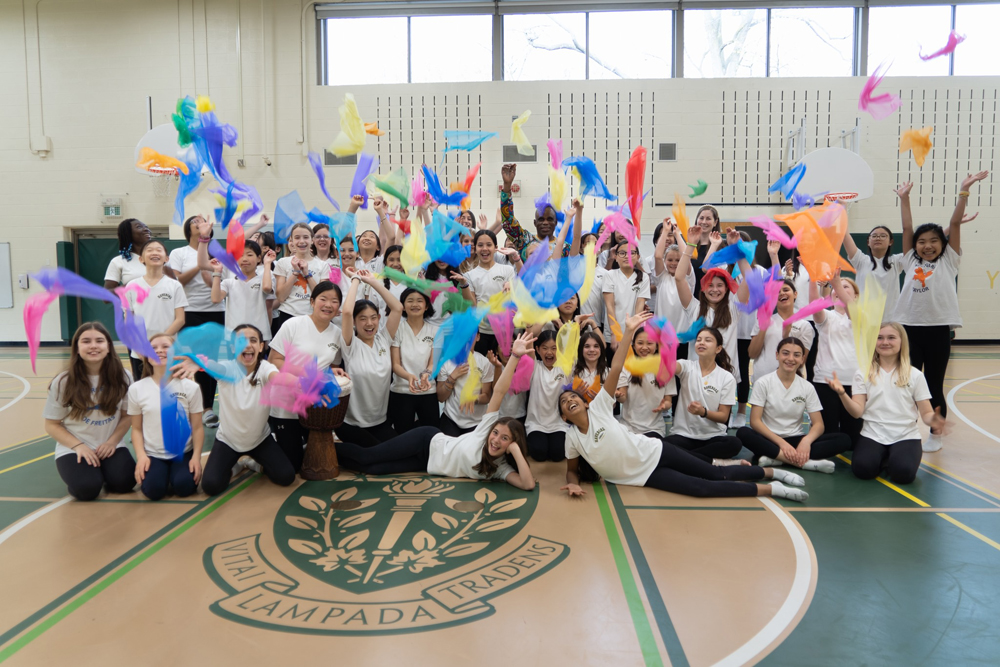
column 363, row 537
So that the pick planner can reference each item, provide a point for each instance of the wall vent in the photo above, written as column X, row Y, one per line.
column 510, row 154
column 666, row 152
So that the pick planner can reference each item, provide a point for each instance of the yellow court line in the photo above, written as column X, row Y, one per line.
column 21, row 465
column 961, row 479
column 891, row 486
column 970, row 531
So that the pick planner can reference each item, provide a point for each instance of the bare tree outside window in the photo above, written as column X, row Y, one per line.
column 725, row 43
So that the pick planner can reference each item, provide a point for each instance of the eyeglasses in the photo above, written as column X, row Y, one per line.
column 625, row 253
column 884, row 237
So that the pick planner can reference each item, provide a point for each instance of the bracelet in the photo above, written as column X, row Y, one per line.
column 77, row 445
column 216, row 275
column 465, row 286
column 706, row 413
column 691, row 245
column 205, row 239
column 964, row 193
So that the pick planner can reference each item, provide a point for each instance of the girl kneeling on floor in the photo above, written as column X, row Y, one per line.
column 495, row 450
column 627, row 458
column 243, row 426
column 778, row 401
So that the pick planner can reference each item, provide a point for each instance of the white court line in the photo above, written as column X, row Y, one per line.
column 793, row 603
column 954, row 408
column 24, row 392
column 37, row 514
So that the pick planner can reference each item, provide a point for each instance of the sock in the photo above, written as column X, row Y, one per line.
column 822, row 465
column 779, row 490
column 768, row 462
column 786, row 477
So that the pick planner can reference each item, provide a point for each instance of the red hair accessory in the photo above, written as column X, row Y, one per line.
column 718, row 273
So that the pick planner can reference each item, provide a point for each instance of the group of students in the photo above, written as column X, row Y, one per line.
column 336, row 306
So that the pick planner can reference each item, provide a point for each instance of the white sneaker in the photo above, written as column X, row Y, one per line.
column 789, row 478
column 766, row 462
column 210, row 419
column 933, row 443
column 779, row 490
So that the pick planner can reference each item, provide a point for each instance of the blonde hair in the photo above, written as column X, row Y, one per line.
column 147, row 365
column 854, row 286
column 902, row 364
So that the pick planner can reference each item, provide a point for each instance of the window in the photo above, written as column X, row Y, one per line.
column 451, row 48
column 977, row 55
column 366, row 50
column 544, row 46
column 630, row 45
column 899, row 34
column 725, row 42
column 812, row 42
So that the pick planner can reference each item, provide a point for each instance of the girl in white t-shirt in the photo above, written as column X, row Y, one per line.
column 413, row 397
column 391, row 260
column 487, row 280
column 595, row 300
column 591, row 365
column 928, row 303
column 494, row 451
column 764, row 343
column 706, row 393
column 448, row 276
column 890, row 396
column 835, row 354
column 296, row 276
column 86, row 413
column 368, row 360
column 163, row 308
column 155, row 470
column 243, row 428
column 546, row 431
column 778, row 403
column 125, row 267
column 246, row 300
column 643, row 399
column 877, row 265
column 626, row 291
column 666, row 257
column 622, row 457
column 458, row 418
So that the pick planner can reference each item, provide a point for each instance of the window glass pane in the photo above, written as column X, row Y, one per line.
column 465, row 55
column 812, row 42
column 544, row 46
column 897, row 34
column 978, row 54
column 351, row 56
column 725, row 42
column 630, row 45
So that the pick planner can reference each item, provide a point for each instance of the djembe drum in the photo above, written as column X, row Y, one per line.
column 320, row 460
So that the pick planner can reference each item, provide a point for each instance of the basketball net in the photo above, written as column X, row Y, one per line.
column 845, row 199
column 161, row 178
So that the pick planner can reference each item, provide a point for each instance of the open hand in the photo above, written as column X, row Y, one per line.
column 574, row 490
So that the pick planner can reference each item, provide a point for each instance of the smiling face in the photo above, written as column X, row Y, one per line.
column 415, row 305
column 326, row 306
column 249, row 261
column 717, row 290
column 301, row 241
column 571, row 405
column 322, row 241
column 465, row 218
column 671, row 259
column 790, row 357
column 592, row 351
column 93, row 346
column 706, row 220
column 498, row 441
column 643, row 346
column 888, row 342
column 567, row 309
column 368, row 241
column 547, row 353
column 545, row 222
column 347, row 255
column 140, row 234
column 393, row 261
column 253, row 349
column 706, row 345
column 153, row 254
column 786, row 297
column 366, row 324
column 485, row 248
column 879, row 241
column 928, row 246
column 161, row 345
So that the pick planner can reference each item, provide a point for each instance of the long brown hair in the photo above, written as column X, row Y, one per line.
column 75, row 390
column 581, row 363
column 722, row 359
column 723, row 315
column 487, row 466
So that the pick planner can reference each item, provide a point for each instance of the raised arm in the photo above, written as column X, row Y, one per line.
column 743, row 291
column 958, row 218
column 850, row 247
column 395, row 307
column 855, row 405
column 518, row 236
column 386, row 235
column 257, row 226
column 559, row 251
column 347, row 310
column 660, row 251
column 903, row 192
column 684, row 293
column 522, row 346
column 632, row 323
column 820, row 316
column 574, row 248
column 839, row 290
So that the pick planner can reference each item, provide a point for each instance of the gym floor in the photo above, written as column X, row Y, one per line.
column 864, row 573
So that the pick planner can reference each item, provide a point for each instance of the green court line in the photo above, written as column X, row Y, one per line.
column 131, row 561
column 695, row 508
column 647, row 643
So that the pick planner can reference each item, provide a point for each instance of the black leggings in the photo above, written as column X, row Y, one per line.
column 136, row 368
column 811, row 357
column 930, row 349
column 404, row 453
column 836, row 418
column 279, row 319
column 825, row 446
column 85, row 482
column 291, row 437
column 743, row 387
column 366, row 436
column 450, row 428
column 679, row 471
column 719, row 447
column 900, row 460
column 166, row 475
column 207, row 383
column 219, row 469
column 407, row 411
column 547, row 446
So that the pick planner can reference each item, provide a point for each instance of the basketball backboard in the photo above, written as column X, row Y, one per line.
column 836, row 170
column 162, row 139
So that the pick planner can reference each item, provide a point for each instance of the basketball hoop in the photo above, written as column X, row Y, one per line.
column 845, row 199
column 161, row 178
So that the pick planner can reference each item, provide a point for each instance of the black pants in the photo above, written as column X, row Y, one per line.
column 407, row 411
column 836, row 418
column 811, row 357
column 85, row 482
column 367, row 436
column 719, row 447
column 450, row 428
column 547, row 446
column 930, row 349
column 279, row 319
column 743, row 387
column 900, row 460
column 136, row 368
column 219, row 469
column 679, row 471
column 408, row 452
column 487, row 343
column 825, row 446
column 291, row 436
column 207, row 383
column 166, row 475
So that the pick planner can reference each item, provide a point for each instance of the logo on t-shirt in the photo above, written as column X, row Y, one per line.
column 255, row 286
column 598, row 435
column 164, row 296
column 333, row 346
column 922, row 276
column 381, row 351
column 799, row 399
column 711, row 389
column 499, row 279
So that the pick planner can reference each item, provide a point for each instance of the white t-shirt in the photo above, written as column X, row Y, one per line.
column 594, row 304
column 783, row 408
column 95, row 427
column 396, row 289
column 891, row 412
column 888, row 280
column 729, row 336
column 766, row 362
column 199, row 295
column 157, row 310
column 370, row 368
column 297, row 301
column 456, row 457
column 453, row 406
column 485, row 284
column 641, row 400
column 620, row 457
column 835, row 353
column 123, row 272
column 144, row 399
column 438, row 302
column 932, row 300
column 302, row 333
column 242, row 420
column 747, row 321
column 415, row 351
column 801, row 281
column 543, row 400
column 715, row 389
column 514, row 405
column 668, row 303
column 625, row 292
column 246, row 303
